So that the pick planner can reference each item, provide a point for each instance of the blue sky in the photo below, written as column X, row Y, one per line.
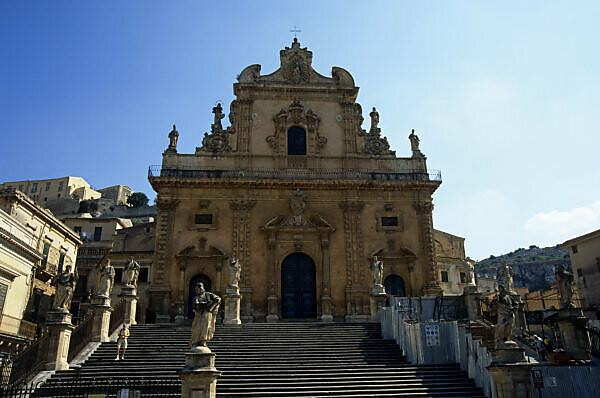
column 502, row 94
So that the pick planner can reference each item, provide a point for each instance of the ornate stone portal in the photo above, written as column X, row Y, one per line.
column 300, row 194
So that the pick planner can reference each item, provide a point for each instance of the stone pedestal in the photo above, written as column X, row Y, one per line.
column 432, row 289
column 129, row 295
column 60, row 328
column 272, row 307
column 508, row 352
column 199, row 376
column 472, row 297
column 101, row 309
column 377, row 301
column 511, row 380
column 231, row 301
column 326, row 309
column 572, row 324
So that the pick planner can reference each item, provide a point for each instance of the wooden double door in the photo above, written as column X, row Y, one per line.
column 298, row 287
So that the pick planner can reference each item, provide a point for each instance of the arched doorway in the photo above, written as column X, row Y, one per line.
column 191, row 291
column 298, row 287
column 394, row 285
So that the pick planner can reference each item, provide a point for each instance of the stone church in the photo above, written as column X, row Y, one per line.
column 299, row 193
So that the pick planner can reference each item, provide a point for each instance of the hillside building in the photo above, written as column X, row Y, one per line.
column 455, row 269
column 584, row 251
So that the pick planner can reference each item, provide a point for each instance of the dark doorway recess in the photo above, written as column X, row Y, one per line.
column 298, row 287
column 207, row 286
column 394, row 285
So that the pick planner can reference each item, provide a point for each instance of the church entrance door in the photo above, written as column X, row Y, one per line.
column 298, row 287
column 192, row 292
column 394, row 285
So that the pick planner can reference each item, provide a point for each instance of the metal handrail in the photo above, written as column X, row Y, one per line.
column 157, row 171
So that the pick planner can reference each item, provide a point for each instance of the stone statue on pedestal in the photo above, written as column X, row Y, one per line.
column 414, row 144
column 505, row 309
column 507, row 273
column 235, row 270
column 565, row 286
column 376, row 268
column 132, row 272
column 173, row 137
column 107, row 280
column 65, row 286
column 206, row 305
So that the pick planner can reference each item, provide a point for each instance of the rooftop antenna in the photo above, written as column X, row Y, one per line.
column 295, row 31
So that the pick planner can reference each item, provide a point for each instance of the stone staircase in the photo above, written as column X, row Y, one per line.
column 287, row 359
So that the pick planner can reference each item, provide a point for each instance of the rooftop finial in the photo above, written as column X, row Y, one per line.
column 295, row 31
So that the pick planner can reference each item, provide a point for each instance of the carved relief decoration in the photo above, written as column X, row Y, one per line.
column 217, row 140
column 296, row 115
column 296, row 63
column 375, row 144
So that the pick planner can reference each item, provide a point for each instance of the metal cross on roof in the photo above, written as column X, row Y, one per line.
column 294, row 31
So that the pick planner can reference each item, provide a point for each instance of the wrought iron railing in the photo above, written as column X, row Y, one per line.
column 117, row 317
column 290, row 174
column 83, row 387
column 81, row 336
column 28, row 361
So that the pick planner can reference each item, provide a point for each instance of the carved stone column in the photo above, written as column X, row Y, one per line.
column 357, row 305
column 101, row 309
column 60, row 328
column 240, row 239
column 326, row 306
column 129, row 296
column 424, row 210
column 161, row 289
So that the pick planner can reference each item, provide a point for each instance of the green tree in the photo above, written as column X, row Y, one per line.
column 137, row 199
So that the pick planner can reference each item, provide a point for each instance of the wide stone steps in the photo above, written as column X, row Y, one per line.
column 269, row 360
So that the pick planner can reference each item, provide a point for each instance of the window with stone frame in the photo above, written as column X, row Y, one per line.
column 203, row 219
column 444, row 275
column 47, row 186
column 144, row 275
column 61, row 261
column 463, row 277
column 118, row 275
column 3, row 291
column 296, row 141
column 46, row 254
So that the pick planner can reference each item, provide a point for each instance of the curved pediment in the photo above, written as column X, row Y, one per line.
column 201, row 250
column 296, row 69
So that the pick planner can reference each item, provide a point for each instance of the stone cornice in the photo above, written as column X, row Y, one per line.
column 403, row 185
column 18, row 244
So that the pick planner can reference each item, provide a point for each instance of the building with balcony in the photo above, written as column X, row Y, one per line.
column 300, row 193
column 34, row 247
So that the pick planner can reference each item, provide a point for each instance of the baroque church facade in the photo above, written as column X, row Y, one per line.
column 301, row 195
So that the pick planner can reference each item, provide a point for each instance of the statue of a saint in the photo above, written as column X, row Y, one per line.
column 376, row 268
column 235, row 269
column 206, row 305
column 218, row 111
column 132, row 271
column 107, row 280
column 507, row 273
column 565, row 279
column 505, row 309
column 414, row 142
column 173, row 137
column 374, row 121
column 65, row 286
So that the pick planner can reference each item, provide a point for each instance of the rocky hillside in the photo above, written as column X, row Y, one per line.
column 533, row 267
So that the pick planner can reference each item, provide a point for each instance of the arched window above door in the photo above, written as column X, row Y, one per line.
column 296, row 141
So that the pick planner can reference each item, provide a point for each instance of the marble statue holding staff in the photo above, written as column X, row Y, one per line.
column 507, row 274
column 107, row 280
column 505, row 323
column 65, row 286
column 132, row 272
column 565, row 286
column 206, row 306
column 235, row 270
column 376, row 268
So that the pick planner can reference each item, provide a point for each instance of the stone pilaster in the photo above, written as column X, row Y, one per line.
column 160, row 290
column 60, row 329
column 424, row 217
column 199, row 376
column 573, row 328
column 101, row 309
column 352, row 119
column 357, row 307
column 326, row 306
column 129, row 296
column 240, row 249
